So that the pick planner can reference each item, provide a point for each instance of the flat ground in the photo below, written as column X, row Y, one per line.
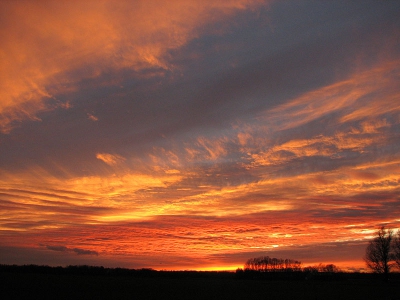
column 14, row 285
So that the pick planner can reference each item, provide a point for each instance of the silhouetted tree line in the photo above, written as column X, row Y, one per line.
column 321, row 268
column 278, row 268
column 268, row 264
column 75, row 270
column 86, row 270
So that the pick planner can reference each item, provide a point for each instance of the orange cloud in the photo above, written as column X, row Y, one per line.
column 110, row 159
column 318, row 146
column 365, row 176
column 205, row 242
column 358, row 112
column 48, row 47
column 92, row 117
column 38, row 200
column 207, row 149
column 353, row 95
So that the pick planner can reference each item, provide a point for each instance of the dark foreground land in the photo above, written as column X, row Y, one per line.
column 78, row 283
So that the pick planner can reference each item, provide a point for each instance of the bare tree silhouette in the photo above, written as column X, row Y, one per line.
column 396, row 249
column 378, row 253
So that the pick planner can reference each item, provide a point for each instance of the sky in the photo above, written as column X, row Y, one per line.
column 195, row 135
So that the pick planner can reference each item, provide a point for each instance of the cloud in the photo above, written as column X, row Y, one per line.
column 110, row 159
column 57, row 248
column 92, row 117
column 33, row 199
column 353, row 98
column 365, row 176
column 53, row 47
column 78, row 251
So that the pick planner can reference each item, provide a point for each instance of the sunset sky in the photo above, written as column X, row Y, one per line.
column 197, row 134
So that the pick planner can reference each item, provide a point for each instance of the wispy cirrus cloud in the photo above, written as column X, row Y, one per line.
column 110, row 159
column 53, row 47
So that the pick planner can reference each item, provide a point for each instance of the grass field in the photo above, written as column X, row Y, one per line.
column 14, row 285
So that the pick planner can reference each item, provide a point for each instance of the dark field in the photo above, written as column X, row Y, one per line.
column 209, row 285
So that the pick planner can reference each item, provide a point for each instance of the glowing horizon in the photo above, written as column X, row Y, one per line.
column 195, row 135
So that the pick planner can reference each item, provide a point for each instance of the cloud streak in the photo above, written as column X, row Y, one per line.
column 78, row 251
